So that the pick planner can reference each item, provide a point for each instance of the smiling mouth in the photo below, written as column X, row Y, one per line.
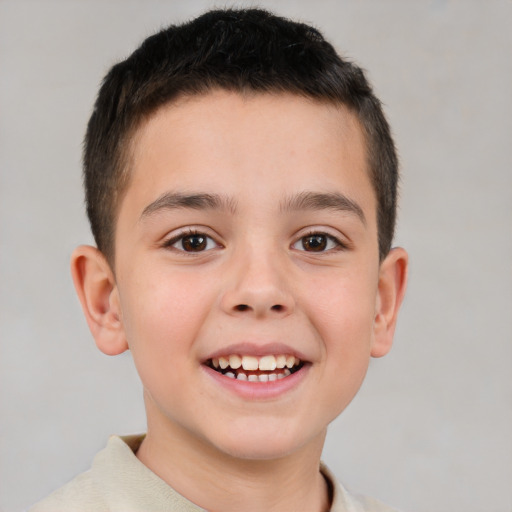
column 256, row 369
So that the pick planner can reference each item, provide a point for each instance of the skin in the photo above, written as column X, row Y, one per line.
column 257, row 282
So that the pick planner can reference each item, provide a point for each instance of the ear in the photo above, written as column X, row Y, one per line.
column 98, row 293
column 390, row 293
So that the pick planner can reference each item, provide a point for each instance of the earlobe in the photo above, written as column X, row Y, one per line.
column 98, row 293
column 391, row 291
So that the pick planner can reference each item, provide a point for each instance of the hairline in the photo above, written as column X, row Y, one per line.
column 128, row 143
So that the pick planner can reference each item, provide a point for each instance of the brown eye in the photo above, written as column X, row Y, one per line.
column 315, row 243
column 192, row 242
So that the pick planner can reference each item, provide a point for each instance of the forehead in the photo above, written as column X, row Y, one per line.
column 249, row 144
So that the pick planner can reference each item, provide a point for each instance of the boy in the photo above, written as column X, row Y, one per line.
column 241, row 187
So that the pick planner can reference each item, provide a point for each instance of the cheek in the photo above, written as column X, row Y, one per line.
column 345, row 306
column 344, row 313
column 164, row 314
column 345, row 326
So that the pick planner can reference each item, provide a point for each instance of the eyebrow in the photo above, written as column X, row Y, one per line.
column 323, row 201
column 301, row 201
column 177, row 200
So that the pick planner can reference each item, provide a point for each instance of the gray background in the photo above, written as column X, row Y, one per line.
column 431, row 428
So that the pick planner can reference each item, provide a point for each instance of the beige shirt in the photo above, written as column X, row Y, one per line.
column 119, row 482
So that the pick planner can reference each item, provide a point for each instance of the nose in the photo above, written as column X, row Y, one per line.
column 257, row 286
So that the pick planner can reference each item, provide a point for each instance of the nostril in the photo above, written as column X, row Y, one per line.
column 278, row 308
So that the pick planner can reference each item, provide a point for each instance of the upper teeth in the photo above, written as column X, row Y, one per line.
column 264, row 363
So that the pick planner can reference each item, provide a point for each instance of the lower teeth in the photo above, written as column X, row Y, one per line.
column 257, row 377
column 262, row 377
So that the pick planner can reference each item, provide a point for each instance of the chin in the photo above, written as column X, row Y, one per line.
column 262, row 444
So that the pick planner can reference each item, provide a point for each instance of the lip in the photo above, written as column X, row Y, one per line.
column 258, row 390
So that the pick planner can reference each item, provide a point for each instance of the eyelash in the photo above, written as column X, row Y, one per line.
column 327, row 238
column 338, row 244
column 189, row 234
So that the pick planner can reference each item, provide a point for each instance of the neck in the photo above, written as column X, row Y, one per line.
column 289, row 483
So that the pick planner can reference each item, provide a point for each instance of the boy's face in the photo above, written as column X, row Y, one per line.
column 248, row 229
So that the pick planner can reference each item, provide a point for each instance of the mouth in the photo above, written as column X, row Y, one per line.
column 248, row 368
